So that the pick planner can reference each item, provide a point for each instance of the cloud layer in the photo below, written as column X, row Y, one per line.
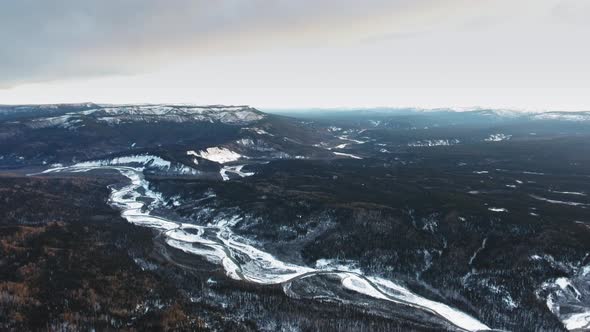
column 44, row 40
column 523, row 53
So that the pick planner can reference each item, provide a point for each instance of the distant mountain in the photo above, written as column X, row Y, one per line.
column 11, row 112
column 466, row 113
column 68, row 114
column 38, row 135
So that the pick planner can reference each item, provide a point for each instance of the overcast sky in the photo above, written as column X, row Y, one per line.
column 526, row 54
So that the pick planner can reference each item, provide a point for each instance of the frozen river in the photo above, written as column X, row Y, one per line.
column 218, row 244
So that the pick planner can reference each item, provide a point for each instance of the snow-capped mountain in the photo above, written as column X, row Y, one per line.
column 564, row 116
column 114, row 115
column 147, row 113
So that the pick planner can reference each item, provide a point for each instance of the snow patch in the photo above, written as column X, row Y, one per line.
column 553, row 201
column 347, row 155
column 563, row 116
column 218, row 155
column 579, row 321
column 482, row 247
column 144, row 160
column 498, row 138
column 337, row 265
column 236, row 169
column 568, row 193
column 435, row 142
column 259, row 131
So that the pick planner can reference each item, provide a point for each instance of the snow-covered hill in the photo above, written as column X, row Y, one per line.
column 115, row 114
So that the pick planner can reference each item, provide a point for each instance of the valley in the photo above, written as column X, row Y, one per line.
column 414, row 220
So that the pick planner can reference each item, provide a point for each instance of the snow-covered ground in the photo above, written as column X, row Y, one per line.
column 482, row 247
column 235, row 169
column 346, row 138
column 217, row 154
column 217, row 243
column 563, row 116
column 394, row 291
column 554, row 201
column 434, row 142
column 143, row 160
column 259, row 131
column 347, row 155
column 578, row 321
column 498, row 138
column 63, row 121
column 568, row 301
column 575, row 193
column 194, row 154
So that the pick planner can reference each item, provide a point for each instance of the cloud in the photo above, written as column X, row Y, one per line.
column 60, row 39
column 573, row 11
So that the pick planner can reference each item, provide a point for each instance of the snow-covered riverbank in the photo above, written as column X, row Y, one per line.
column 217, row 243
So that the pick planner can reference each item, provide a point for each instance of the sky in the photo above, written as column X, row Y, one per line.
column 518, row 54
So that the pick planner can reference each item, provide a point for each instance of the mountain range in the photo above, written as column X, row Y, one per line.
column 230, row 218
